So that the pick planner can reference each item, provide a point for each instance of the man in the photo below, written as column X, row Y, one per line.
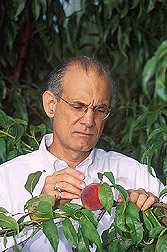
column 79, row 99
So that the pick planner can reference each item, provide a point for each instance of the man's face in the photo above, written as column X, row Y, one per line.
column 73, row 132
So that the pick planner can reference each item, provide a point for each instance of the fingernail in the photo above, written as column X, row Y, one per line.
column 82, row 176
column 142, row 209
column 82, row 185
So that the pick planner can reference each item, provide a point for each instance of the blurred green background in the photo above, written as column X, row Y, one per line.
column 129, row 36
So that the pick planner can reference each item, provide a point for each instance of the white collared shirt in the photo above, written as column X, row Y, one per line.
column 13, row 175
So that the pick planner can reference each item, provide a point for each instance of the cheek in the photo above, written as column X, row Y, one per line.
column 100, row 127
column 64, row 122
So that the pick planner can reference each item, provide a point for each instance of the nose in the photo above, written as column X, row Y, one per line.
column 88, row 118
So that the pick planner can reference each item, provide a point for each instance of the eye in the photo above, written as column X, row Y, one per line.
column 80, row 107
column 101, row 109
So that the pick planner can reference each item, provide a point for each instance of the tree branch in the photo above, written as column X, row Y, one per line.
column 23, row 51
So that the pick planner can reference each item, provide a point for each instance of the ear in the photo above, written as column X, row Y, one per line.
column 49, row 103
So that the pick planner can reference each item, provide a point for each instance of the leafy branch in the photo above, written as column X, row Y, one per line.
column 131, row 230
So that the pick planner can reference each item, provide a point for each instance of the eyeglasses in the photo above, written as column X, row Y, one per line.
column 80, row 109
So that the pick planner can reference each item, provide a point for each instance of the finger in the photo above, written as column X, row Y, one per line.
column 141, row 201
column 142, row 191
column 67, row 195
column 68, row 175
column 120, row 200
column 63, row 195
column 150, row 201
column 133, row 196
column 72, row 172
column 64, row 186
column 67, row 178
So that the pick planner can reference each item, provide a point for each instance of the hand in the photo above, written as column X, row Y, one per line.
column 141, row 198
column 69, row 181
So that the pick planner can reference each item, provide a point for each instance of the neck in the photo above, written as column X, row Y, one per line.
column 71, row 157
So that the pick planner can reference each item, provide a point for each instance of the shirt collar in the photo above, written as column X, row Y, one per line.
column 57, row 164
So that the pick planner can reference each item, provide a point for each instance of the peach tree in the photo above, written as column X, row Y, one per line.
column 131, row 230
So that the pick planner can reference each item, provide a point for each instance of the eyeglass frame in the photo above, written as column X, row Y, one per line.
column 87, row 106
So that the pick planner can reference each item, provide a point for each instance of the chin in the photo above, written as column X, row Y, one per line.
column 83, row 145
column 84, row 148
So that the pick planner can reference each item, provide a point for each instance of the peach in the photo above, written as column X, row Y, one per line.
column 89, row 197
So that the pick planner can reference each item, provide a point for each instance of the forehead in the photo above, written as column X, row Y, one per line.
column 79, row 82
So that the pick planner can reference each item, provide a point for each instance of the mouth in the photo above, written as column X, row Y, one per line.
column 83, row 134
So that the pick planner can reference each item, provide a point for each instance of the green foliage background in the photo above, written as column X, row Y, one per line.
column 129, row 36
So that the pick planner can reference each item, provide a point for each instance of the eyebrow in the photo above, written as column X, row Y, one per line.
column 83, row 104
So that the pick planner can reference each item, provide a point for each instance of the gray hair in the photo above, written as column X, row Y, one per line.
column 56, row 77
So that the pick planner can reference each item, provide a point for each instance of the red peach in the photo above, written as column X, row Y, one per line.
column 89, row 197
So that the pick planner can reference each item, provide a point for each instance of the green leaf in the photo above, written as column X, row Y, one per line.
column 132, row 210
column 110, row 176
column 20, row 5
column 5, row 240
column 91, row 216
column 3, row 90
column 45, row 207
column 125, row 10
column 151, row 216
column 30, row 202
column 3, row 119
column 152, row 117
column 69, row 231
column 124, row 245
column 123, row 193
column 20, row 106
column 36, row 9
column 42, row 128
column 44, row 5
column 135, row 123
column 161, row 245
column 114, row 23
column 100, row 176
column 20, row 121
column 33, row 130
column 67, row 210
column 18, row 133
column 114, row 246
column 32, row 180
column 3, row 210
column 151, row 5
column 160, row 89
column 48, row 198
column 163, row 192
column 134, row 4
column 156, row 132
column 106, row 196
column 2, row 150
column 109, row 234
column 90, row 232
column 8, row 222
column 12, row 154
column 119, row 220
column 165, row 167
column 83, row 242
column 73, row 210
column 147, row 223
column 51, row 232
column 136, row 228
column 148, row 72
column 148, row 248
column 120, row 41
column 162, row 49
column 16, row 248
column 148, row 154
column 156, row 231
